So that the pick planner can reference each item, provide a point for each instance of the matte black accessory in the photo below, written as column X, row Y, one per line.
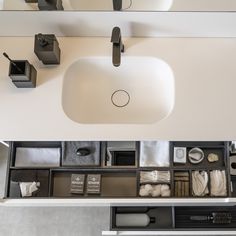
column 46, row 48
column 216, row 218
column 50, row 5
column 13, row 63
column 117, row 46
column 22, row 73
column 77, row 183
column 117, row 5
column 93, row 184
column 83, row 152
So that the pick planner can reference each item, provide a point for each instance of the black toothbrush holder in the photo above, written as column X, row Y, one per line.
column 22, row 73
column 46, row 48
column 26, row 78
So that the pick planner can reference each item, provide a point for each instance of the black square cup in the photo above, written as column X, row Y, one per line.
column 26, row 78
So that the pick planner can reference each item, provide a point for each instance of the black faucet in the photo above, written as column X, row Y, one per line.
column 117, row 5
column 49, row 5
column 118, row 46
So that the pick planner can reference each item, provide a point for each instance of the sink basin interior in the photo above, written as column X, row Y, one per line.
column 139, row 91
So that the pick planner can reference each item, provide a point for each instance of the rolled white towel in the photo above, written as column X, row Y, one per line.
column 200, row 183
column 156, row 190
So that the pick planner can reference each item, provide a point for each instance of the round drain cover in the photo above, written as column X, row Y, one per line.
column 120, row 98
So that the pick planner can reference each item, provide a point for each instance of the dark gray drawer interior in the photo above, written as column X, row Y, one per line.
column 120, row 178
column 174, row 218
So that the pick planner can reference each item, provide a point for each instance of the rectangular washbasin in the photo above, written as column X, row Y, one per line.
column 139, row 91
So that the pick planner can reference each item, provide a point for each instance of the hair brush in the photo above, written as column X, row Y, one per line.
column 215, row 218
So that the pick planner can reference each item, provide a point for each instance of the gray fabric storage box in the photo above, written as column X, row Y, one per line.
column 70, row 157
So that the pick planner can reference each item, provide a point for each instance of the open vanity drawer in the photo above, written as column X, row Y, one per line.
column 170, row 220
column 122, row 175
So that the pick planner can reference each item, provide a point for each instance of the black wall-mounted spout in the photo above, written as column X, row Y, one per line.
column 117, row 5
column 50, row 5
column 118, row 46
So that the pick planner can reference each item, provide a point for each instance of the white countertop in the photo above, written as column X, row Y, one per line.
column 205, row 83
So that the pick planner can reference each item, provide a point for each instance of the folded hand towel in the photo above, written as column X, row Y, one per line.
column 218, row 183
column 41, row 157
column 154, row 153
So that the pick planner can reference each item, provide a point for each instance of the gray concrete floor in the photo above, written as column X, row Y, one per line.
column 49, row 221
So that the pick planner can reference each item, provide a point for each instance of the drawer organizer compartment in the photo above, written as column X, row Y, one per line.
column 121, row 154
column 81, row 154
column 201, row 169
column 29, row 166
column 119, row 183
column 173, row 218
column 21, row 181
column 198, row 155
column 156, row 183
column 205, row 217
column 35, row 154
column 124, row 169
column 141, row 218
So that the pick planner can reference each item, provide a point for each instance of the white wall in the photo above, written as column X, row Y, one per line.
column 203, row 5
column 149, row 5
column 1, row 4
column 135, row 24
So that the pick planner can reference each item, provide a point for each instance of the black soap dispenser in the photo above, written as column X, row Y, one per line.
column 46, row 48
column 22, row 73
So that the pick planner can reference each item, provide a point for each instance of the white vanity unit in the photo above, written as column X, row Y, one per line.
column 124, row 169
column 78, row 138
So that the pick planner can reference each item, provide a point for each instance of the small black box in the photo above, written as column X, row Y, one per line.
column 24, row 79
column 49, row 53
column 94, row 184
column 77, row 184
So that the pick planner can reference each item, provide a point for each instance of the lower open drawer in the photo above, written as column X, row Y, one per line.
column 162, row 233
column 171, row 220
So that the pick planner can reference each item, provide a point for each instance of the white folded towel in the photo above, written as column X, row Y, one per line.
column 200, row 183
column 40, row 157
column 218, row 183
column 154, row 153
